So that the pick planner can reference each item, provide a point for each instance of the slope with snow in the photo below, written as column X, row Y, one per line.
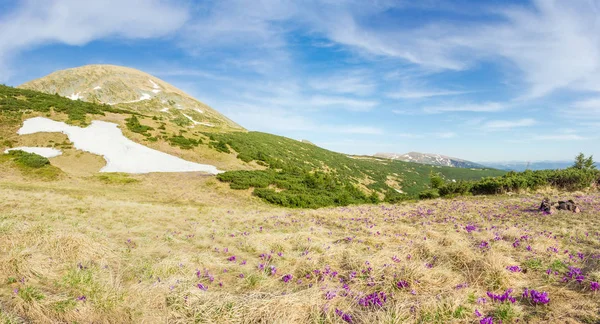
column 128, row 88
column 121, row 154
column 431, row 159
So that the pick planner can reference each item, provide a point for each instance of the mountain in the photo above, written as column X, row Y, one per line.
column 432, row 159
column 538, row 165
column 115, row 119
column 123, row 87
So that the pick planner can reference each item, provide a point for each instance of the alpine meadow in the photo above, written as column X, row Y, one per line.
column 170, row 161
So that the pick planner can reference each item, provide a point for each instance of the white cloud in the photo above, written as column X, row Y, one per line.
column 508, row 124
column 342, row 102
column 75, row 22
column 419, row 94
column 482, row 107
column 445, row 135
column 560, row 137
column 351, row 82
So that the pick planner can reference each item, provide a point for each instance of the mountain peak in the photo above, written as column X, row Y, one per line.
column 432, row 159
column 134, row 89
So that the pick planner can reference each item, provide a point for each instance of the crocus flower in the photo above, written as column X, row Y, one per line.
column 287, row 278
column 376, row 299
column 487, row 320
column 514, row 268
column 345, row 317
column 502, row 298
column 594, row 286
column 402, row 284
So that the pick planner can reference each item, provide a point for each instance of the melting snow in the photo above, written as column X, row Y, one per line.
column 165, row 109
column 198, row 123
column 199, row 110
column 155, row 86
column 46, row 152
column 75, row 96
column 144, row 96
column 97, row 87
column 121, row 154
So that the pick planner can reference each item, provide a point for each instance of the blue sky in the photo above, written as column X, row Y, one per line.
column 481, row 80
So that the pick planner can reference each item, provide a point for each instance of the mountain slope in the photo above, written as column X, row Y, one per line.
column 277, row 169
column 128, row 88
column 432, row 159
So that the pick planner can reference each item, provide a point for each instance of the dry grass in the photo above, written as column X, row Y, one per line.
column 137, row 251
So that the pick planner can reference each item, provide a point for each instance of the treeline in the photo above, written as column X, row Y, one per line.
column 580, row 176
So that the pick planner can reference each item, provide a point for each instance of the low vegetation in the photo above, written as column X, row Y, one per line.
column 31, row 165
column 293, row 166
column 582, row 175
column 18, row 101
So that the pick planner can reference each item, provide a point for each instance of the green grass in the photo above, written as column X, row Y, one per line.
column 292, row 166
column 30, row 160
column 115, row 178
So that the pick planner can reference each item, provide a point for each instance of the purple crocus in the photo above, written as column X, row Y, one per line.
column 594, row 285
column 502, row 298
column 470, row 228
column 287, row 278
column 402, row 284
column 345, row 316
column 487, row 320
column 202, row 287
column 231, row 258
column 376, row 299
column 514, row 268
column 536, row 297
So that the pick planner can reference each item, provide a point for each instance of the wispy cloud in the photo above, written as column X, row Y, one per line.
column 508, row 124
column 342, row 103
column 560, row 137
column 470, row 107
column 74, row 22
column 419, row 94
column 349, row 82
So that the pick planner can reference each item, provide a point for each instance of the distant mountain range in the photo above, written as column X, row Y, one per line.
column 522, row 166
column 431, row 159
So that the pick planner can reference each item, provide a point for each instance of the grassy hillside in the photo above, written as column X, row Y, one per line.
column 290, row 179
column 282, row 171
column 183, row 248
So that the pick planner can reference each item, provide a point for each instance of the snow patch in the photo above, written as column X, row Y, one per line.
column 198, row 123
column 97, row 87
column 75, row 96
column 199, row 110
column 165, row 109
column 46, row 152
column 121, row 154
column 155, row 86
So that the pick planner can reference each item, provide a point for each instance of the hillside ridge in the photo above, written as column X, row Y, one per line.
column 132, row 89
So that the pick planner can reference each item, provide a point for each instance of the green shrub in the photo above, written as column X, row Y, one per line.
column 429, row 194
column 30, row 160
column 133, row 124
column 184, row 142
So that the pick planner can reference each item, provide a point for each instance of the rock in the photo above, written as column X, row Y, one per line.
column 549, row 207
